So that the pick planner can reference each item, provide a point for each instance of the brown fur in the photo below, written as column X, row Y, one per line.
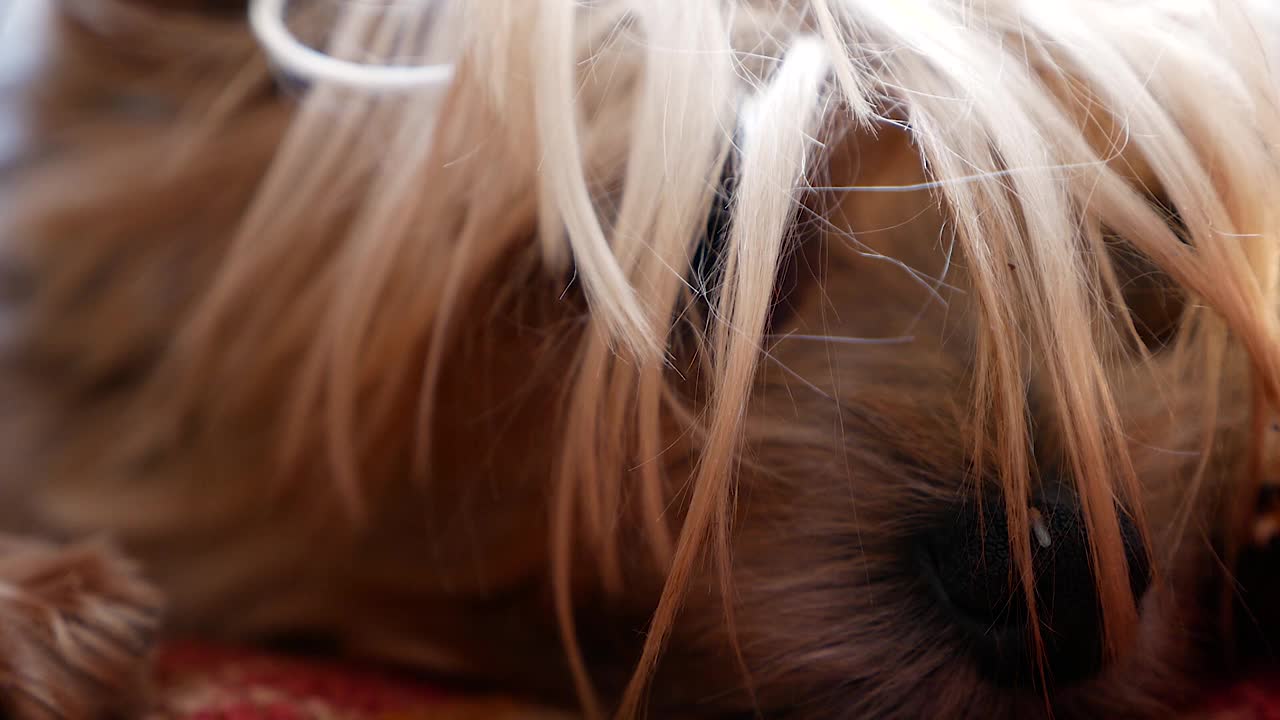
column 852, row 450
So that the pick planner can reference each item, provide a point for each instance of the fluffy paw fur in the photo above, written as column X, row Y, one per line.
column 76, row 624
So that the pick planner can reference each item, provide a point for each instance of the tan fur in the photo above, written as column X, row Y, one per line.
column 76, row 624
column 322, row 367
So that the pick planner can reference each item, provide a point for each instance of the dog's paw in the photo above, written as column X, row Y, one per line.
column 76, row 626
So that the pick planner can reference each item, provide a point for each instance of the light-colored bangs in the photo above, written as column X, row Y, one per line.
column 590, row 138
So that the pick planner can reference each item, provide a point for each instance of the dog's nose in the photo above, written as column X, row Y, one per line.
column 971, row 570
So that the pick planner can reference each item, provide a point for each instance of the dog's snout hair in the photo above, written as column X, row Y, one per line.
column 682, row 357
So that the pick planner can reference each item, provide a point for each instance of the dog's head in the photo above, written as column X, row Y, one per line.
column 962, row 428
column 883, row 359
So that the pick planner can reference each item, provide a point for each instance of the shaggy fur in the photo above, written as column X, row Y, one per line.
column 658, row 365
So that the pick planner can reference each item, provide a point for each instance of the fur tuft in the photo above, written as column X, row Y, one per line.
column 76, row 626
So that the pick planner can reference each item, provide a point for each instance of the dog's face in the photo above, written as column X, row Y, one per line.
column 871, row 572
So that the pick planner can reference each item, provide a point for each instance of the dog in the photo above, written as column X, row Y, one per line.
column 820, row 359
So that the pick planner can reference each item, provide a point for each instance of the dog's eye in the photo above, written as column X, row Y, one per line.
column 1155, row 302
column 968, row 564
column 706, row 265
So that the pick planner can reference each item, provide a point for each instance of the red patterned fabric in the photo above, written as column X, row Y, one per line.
column 203, row 682
column 1254, row 698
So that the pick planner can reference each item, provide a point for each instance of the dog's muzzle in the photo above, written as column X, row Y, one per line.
column 968, row 564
